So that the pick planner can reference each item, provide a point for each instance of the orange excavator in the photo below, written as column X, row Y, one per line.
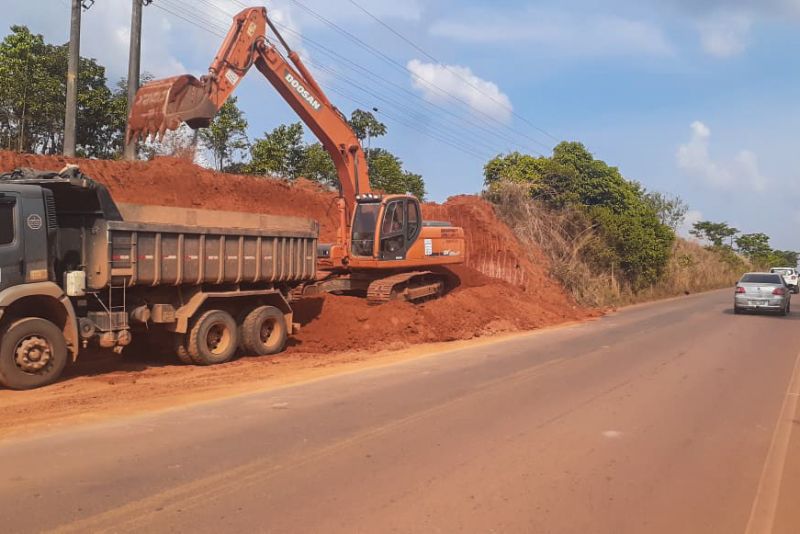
column 383, row 248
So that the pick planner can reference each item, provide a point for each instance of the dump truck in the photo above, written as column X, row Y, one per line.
column 78, row 270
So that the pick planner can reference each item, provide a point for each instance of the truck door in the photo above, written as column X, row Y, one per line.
column 12, row 265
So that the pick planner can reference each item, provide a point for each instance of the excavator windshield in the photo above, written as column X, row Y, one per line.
column 364, row 224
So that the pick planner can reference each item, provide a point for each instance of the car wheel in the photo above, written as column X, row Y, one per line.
column 737, row 310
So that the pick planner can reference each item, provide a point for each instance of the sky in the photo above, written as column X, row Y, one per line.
column 697, row 98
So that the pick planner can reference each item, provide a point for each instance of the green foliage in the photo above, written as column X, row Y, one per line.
column 318, row 165
column 671, row 209
column 635, row 242
column 226, row 135
column 118, row 115
column 386, row 174
column 365, row 125
column 283, row 153
column 715, row 233
column 785, row 258
column 33, row 95
column 280, row 153
column 755, row 247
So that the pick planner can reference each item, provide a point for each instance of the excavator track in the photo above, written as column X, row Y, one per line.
column 412, row 286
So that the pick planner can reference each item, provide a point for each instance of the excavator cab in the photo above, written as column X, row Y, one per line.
column 385, row 227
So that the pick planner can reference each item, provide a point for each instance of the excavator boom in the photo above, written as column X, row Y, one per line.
column 163, row 105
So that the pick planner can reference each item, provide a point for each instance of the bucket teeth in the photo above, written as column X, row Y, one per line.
column 163, row 105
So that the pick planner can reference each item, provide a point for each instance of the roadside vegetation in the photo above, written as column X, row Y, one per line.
column 609, row 240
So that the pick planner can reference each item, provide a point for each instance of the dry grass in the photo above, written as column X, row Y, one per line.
column 569, row 240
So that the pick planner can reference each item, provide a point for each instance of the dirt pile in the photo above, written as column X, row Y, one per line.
column 502, row 286
column 176, row 182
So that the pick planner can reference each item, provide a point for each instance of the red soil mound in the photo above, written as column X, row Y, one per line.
column 176, row 182
column 503, row 287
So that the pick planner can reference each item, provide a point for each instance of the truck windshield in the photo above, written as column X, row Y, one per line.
column 364, row 228
column 6, row 223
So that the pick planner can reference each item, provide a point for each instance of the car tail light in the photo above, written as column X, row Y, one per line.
column 779, row 291
column 740, row 289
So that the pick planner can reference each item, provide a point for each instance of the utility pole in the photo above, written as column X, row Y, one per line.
column 72, row 79
column 134, row 58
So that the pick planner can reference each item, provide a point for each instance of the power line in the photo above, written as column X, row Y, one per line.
column 492, row 133
column 342, row 60
column 405, row 70
column 431, row 57
column 212, row 25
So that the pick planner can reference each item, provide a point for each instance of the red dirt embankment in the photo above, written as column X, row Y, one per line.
column 503, row 288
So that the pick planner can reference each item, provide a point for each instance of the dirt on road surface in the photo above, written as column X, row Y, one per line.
column 502, row 288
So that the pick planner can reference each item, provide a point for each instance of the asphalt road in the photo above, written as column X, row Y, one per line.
column 670, row 417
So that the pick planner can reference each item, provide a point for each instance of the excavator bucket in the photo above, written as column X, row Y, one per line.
column 163, row 105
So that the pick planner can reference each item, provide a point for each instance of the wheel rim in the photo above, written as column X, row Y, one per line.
column 33, row 354
column 267, row 330
column 218, row 339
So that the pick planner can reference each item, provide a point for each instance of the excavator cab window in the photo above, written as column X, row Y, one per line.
column 364, row 225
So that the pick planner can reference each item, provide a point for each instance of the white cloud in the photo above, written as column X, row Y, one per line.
column 695, row 160
column 436, row 81
column 570, row 32
column 725, row 34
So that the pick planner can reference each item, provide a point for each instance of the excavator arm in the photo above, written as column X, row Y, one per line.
column 163, row 105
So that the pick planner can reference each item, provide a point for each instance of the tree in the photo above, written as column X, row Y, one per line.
column 365, row 125
column 671, row 209
column 386, row 174
column 634, row 240
column 787, row 258
column 226, row 135
column 755, row 246
column 283, row 153
column 318, row 165
column 280, row 153
column 118, row 111
column 715, row 233
column 33, row 96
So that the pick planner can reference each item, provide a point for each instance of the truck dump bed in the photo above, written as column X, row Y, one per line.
column 156, row 245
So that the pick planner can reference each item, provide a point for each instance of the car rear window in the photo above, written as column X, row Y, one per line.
column 761, row 279
column 781, row 271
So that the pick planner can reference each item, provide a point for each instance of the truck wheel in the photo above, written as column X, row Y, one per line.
column 264, row 331
column 179, row 345
column 33, row 353
column 213, row 338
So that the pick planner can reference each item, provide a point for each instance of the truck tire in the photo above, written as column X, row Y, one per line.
column 179, row 345
column 264, row 331
column 213, row 339
column 33, row 353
